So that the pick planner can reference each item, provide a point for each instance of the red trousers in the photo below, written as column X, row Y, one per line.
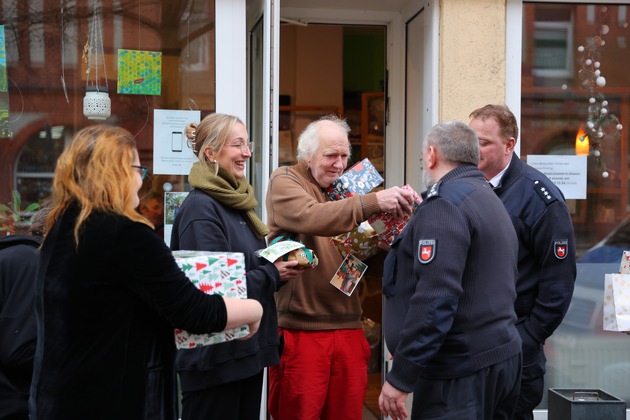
column 322, row 375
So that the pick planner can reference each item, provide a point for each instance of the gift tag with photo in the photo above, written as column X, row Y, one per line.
column 348, row 275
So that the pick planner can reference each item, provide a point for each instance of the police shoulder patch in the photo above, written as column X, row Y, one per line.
column 426, row 250
column 434, row 191
column 544, row 192
column 560, row 248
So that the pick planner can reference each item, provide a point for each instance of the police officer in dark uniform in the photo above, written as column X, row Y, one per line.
column 449, row 287
column 546, row 259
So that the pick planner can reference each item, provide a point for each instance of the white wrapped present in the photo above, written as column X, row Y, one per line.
column 220, row 273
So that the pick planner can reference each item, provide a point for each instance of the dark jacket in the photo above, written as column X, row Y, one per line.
column 204, row 224
column 546, row 270
column 105, row 318
column 449, row 284
column 18, row 268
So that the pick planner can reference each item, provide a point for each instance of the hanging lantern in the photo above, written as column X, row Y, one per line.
column 96, row 104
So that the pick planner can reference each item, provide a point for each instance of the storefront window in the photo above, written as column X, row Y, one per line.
column 47, row 55
column 36, row 163
column 576, row 101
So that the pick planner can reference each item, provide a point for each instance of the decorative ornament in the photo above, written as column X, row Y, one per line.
column 603, row 125
column 96, row 104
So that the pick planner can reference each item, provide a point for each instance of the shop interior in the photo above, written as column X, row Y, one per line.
column 340, row 69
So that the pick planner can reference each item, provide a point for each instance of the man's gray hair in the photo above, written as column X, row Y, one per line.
column 456, row 142
column 308, row 142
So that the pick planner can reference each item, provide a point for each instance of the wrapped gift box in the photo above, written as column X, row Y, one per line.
column 361, row 178
column 219, row 273
column 362, row 242
column 387, row 226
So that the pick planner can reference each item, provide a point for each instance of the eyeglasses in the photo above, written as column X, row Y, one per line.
column 142, row 170
column 245, row 147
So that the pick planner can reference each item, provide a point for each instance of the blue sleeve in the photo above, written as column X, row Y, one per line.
column 557, row 275
column 433, row 289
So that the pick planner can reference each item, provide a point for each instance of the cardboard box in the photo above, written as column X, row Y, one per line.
column 220, row 273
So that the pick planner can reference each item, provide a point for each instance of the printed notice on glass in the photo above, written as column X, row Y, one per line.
column 567, row 172
column 171, row 154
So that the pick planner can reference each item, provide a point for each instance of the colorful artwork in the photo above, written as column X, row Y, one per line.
column 139, row 72
column 3, row 62
column 5, row 126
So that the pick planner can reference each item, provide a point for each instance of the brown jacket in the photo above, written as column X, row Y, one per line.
column 297, row 207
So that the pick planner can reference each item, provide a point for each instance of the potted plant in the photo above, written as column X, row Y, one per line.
column 14, row 219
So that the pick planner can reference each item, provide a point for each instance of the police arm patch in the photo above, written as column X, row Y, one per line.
column 560, row 248
column 426, row 250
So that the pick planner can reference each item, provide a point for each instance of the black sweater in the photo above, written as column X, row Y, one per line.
column 18, row 268
column 204, row 224
column 105, row 317
column 449, row 284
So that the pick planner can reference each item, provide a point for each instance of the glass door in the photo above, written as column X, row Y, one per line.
column 262, row 109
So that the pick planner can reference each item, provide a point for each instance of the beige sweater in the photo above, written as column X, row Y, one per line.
column 297, row 207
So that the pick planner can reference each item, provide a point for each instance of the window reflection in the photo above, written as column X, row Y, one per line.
column 44, row 43
column 556, row 106
column 555, row 102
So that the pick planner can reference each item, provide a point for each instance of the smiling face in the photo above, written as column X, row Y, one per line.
column 234, row 154
column 495, row 151
column 331, row 157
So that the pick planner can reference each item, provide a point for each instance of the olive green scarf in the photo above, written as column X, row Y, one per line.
column 229, row 191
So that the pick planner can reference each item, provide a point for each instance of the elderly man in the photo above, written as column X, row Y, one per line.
column 323, row 367
column 449, row 287
column 546, row 260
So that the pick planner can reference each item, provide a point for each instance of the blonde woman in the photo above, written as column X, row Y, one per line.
column 225, row 381
column 109, row 293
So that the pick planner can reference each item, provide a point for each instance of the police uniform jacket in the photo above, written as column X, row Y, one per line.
column 546, row 259
column 449, row 284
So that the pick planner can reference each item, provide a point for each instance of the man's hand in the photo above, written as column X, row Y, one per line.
column 392, row 402
column 395, row 200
